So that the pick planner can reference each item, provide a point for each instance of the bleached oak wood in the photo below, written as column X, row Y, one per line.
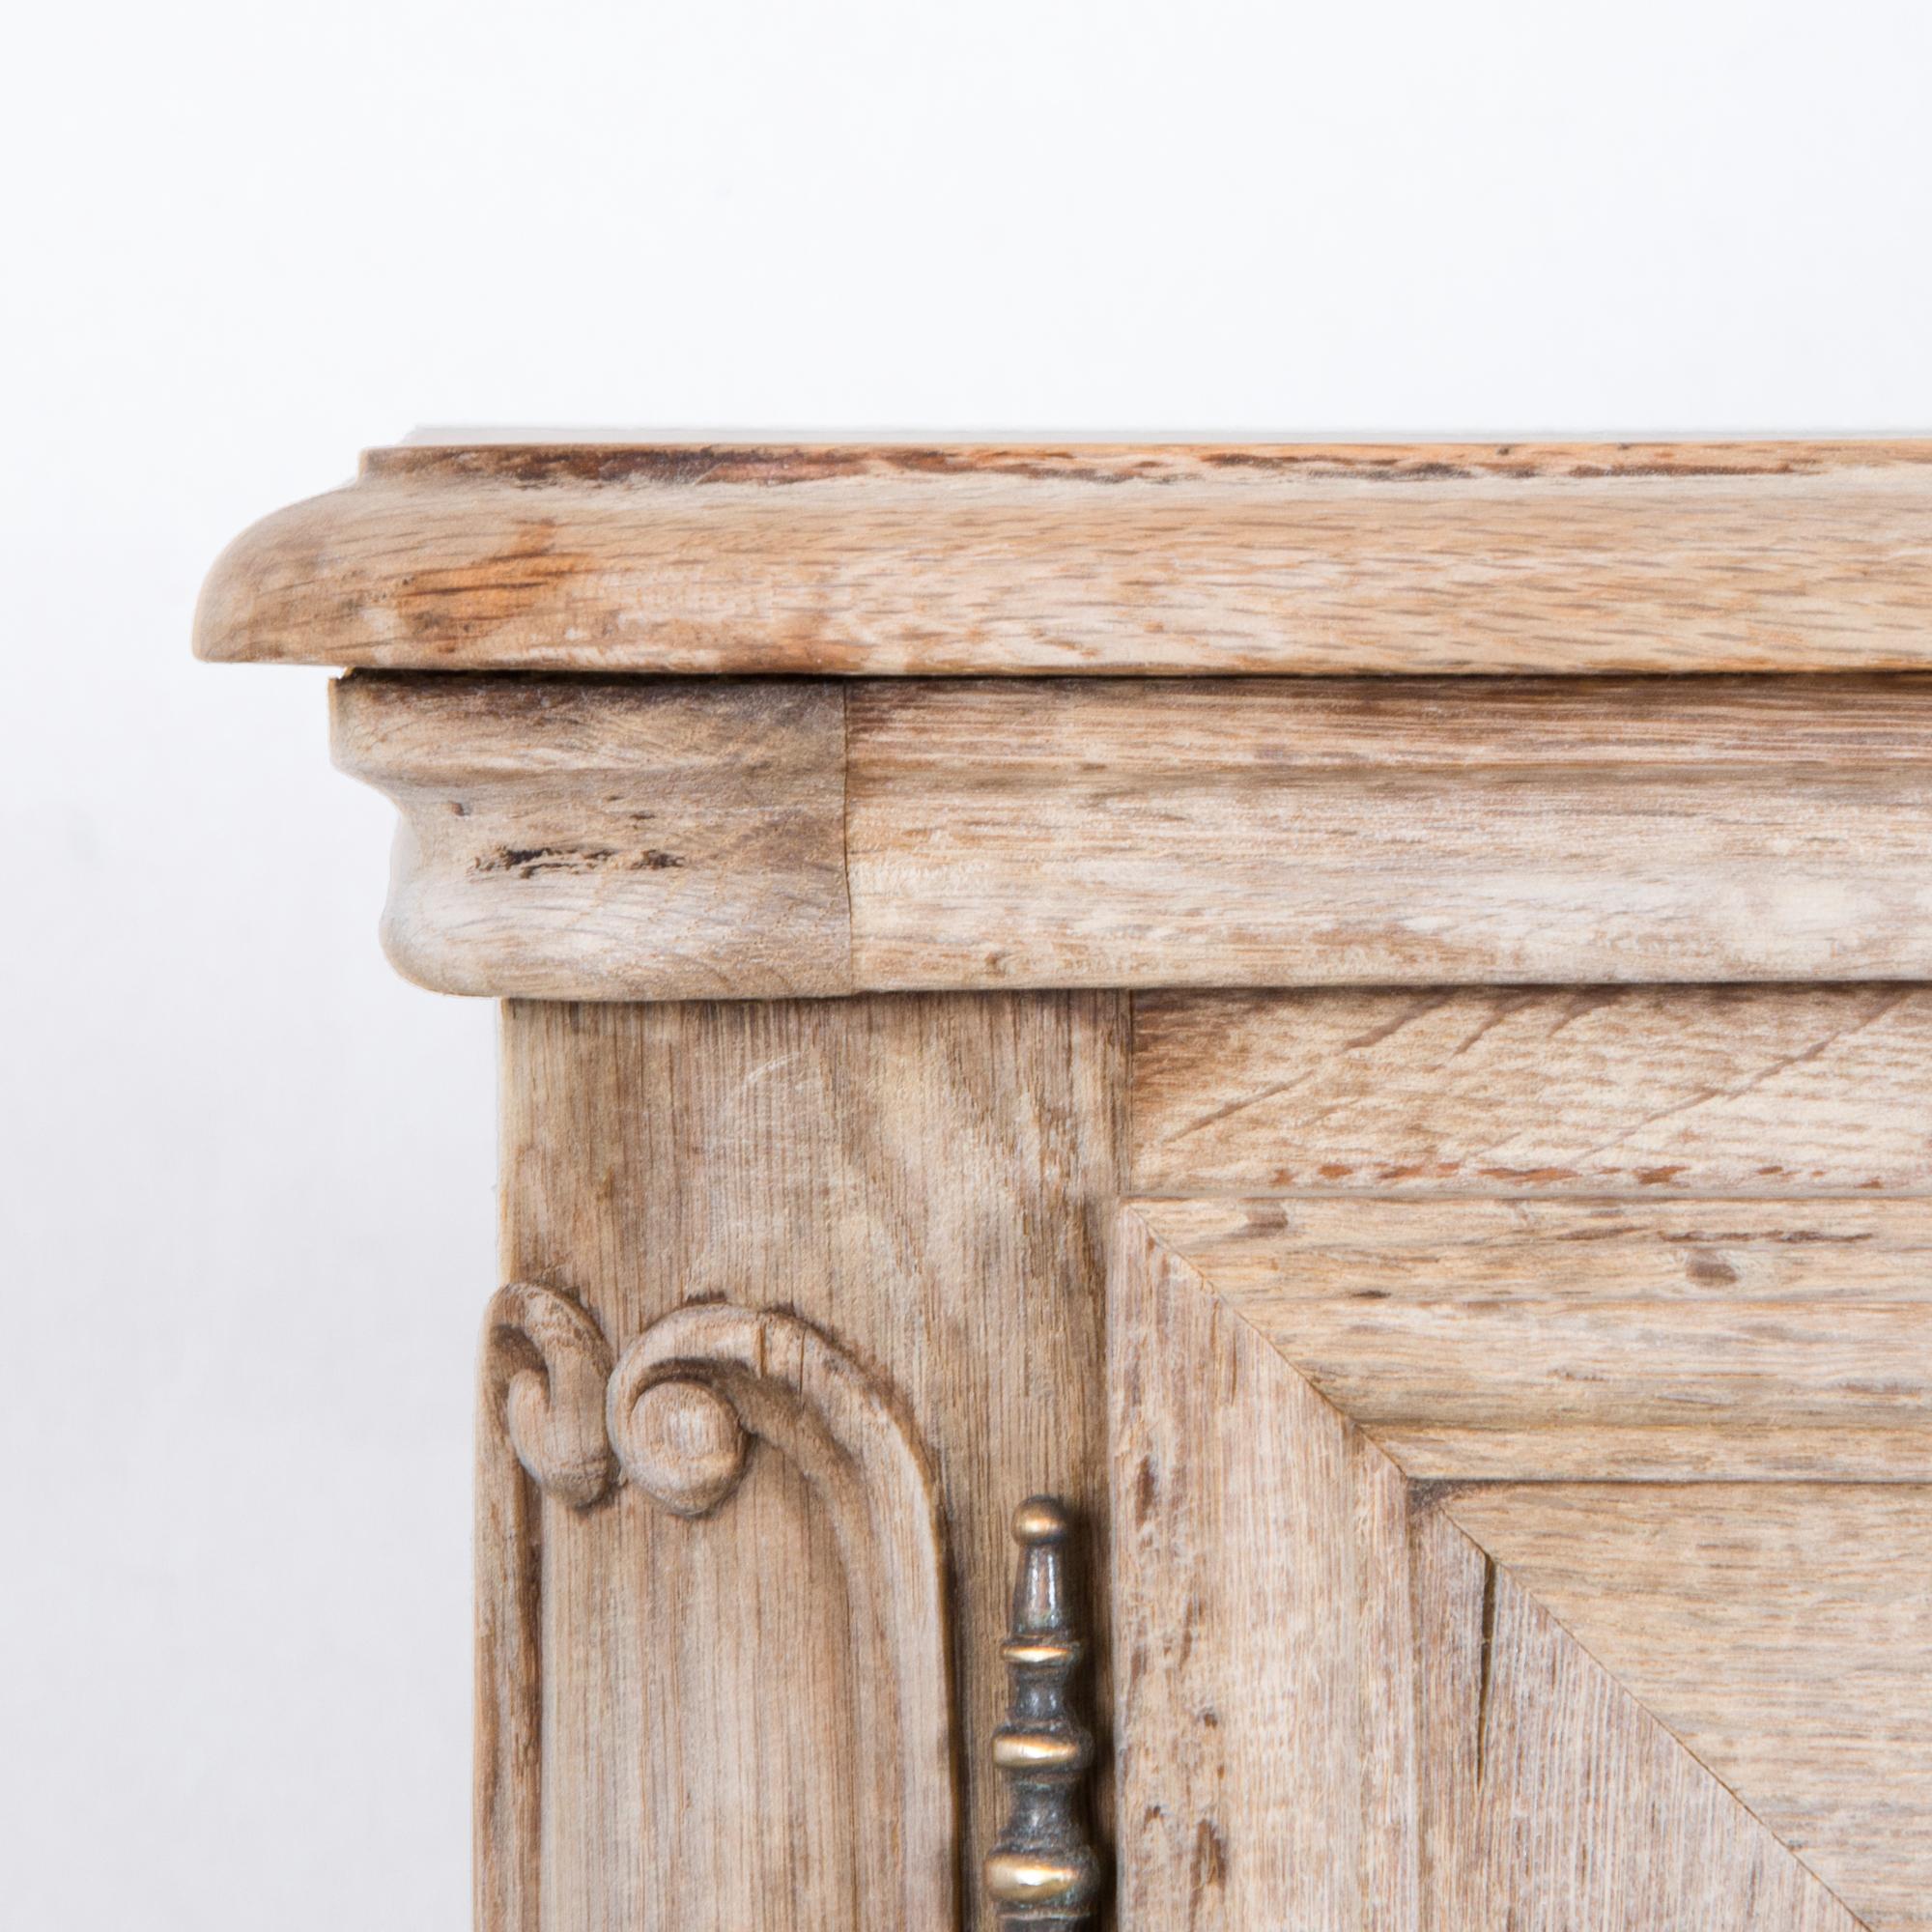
column 1593, row 1814
column 662, row 840
column 1785, row 1633
column 1405, row 832
column 1779, row 1092
column 1335, row 1713
column 1813, row 1251
column 787, row 1385
column 926, row 1182
column 540, row 1448
column 1779, row 1629
column 1517, row 1372
column 1483, row 1339
column 589, row 839
column 1619, row 1365
column 1246, row 1703
column 821, row 558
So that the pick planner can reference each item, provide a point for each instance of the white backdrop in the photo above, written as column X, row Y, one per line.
column 246, row 1173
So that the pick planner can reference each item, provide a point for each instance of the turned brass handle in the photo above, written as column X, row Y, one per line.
column 1042, row 1873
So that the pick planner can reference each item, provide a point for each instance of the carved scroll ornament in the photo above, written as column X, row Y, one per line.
column 539, row 1432
column 688, row 1399
column 679, row 1418
column 544, row 1366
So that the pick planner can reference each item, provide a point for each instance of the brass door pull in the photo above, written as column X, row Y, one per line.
column 1042, row 1873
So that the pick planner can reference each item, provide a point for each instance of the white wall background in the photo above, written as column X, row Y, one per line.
column 244, row 1174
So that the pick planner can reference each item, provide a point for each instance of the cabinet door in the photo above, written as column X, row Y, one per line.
column 1533, row 1551
column 1439, row 1615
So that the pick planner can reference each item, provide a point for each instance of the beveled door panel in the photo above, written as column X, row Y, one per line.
column 1553, row 1593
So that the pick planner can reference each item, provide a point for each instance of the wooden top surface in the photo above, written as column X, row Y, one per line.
column 486, row 553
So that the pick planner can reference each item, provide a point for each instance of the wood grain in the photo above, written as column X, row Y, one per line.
column 614, row 839
column 577, row 839
column 1248, row 1716
column 1477, row 1340
column 1594, row 1387
column 1777, row 1092
column 541, row 1450
column 1394, row 833
column 1813, row 1251
column 1592, row 1814
column 781, row 1382
column 1336, row 1713
column 927, row 1182
column 1508, row 1421
column 960, row 558
column 1785, row 1633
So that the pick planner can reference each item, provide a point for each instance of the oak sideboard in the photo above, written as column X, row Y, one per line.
column 1216, row 1168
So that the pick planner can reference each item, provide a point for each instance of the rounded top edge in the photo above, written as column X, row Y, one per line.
column 938, row 559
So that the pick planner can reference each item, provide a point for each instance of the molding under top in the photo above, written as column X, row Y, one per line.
column 907, row 558
column 671, row 839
